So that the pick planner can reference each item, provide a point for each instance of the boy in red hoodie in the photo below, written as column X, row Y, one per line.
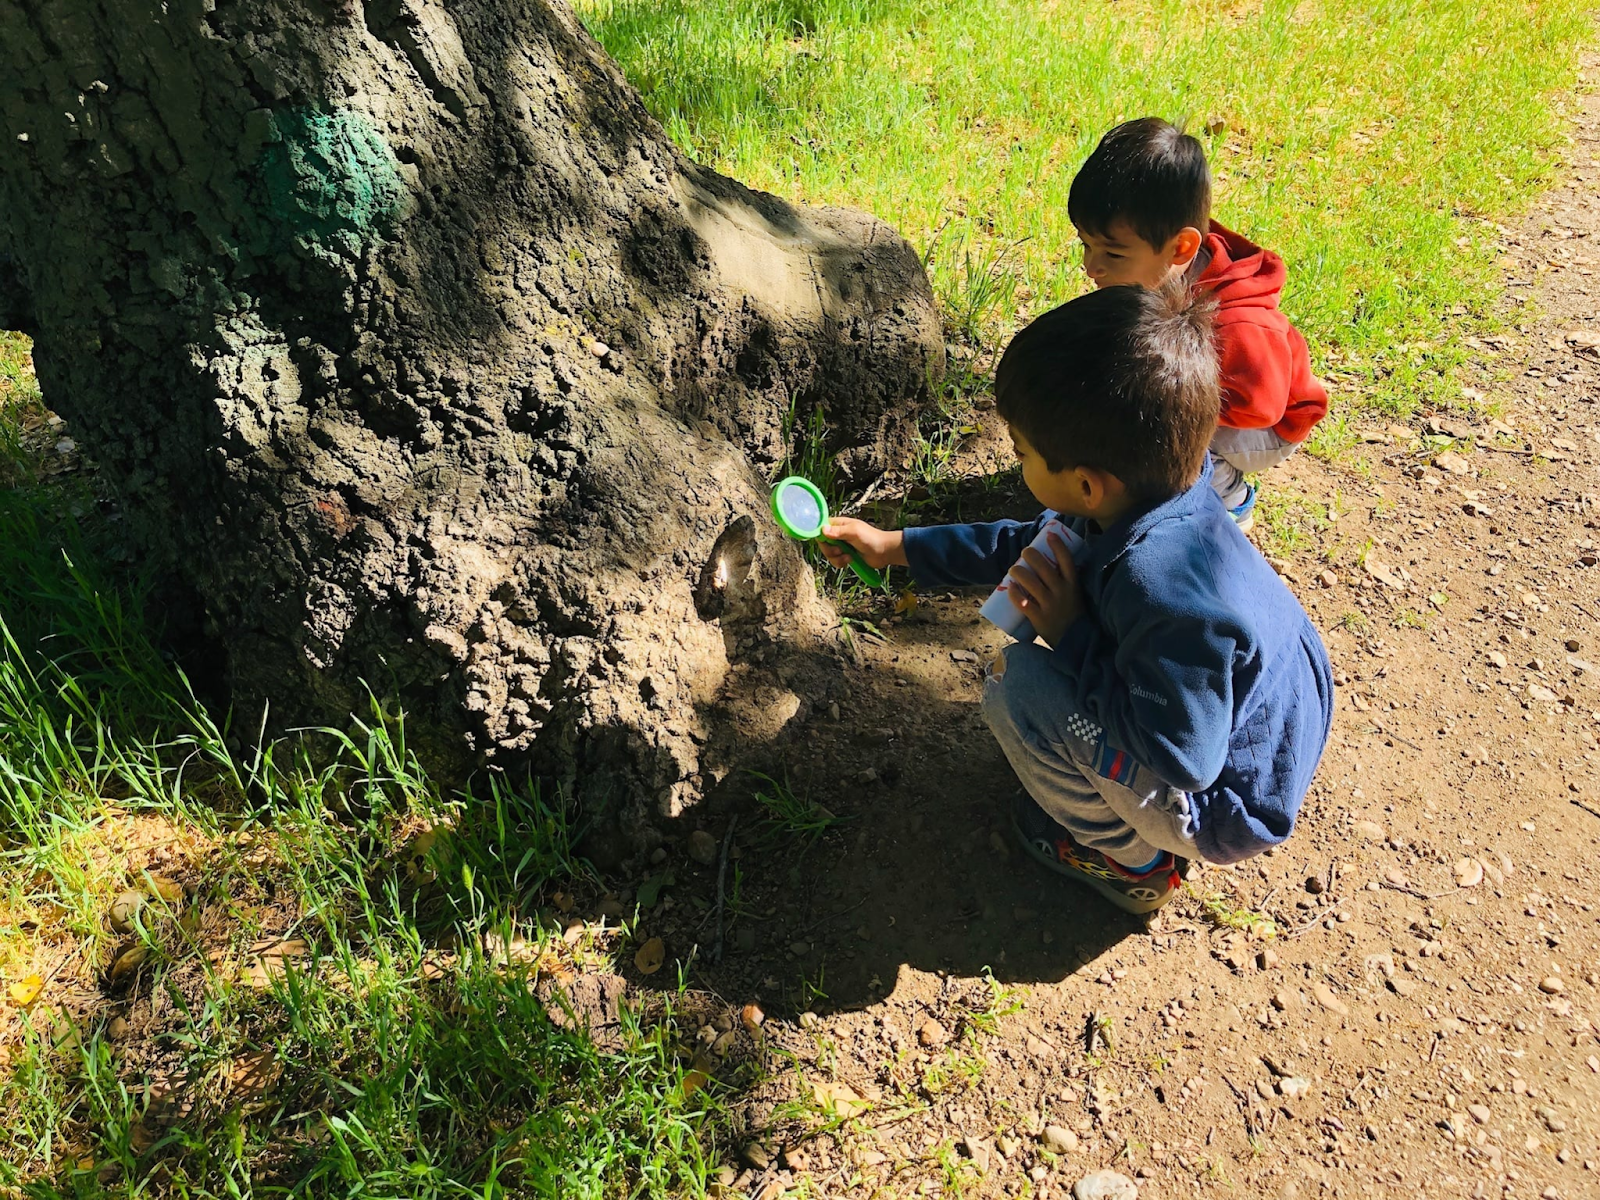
column 1139, row 204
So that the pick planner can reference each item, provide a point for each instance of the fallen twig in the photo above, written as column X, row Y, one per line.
column 1244, row 1107
column 1586, row 806
column 1411, row 891
column 1322, row 916
column 1379, row 731
column 722, row 875
column 805, row 929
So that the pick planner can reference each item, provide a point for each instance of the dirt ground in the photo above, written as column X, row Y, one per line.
column 1400, row 1000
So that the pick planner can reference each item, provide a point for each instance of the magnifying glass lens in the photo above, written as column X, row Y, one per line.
column 800, row 508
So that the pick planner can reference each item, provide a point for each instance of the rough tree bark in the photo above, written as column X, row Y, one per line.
column 428, row 364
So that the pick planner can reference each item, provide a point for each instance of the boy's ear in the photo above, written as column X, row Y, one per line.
column 1097, row 487
column 1184, row 246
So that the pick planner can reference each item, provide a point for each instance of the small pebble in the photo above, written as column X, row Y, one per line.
column 124, row 908
column 758, row 1156
column 1328, row 1000
column 703, row 847
column 1551, row 985
column 1105, row 1185
column 599, row 349
column 1479, row 1113
column 978, row 1150
column 117, row 1029
column 931, row 1033
column 1058, row 1139
column 1294, row 1087
column 1369, row 831
column 809, row 1020
column 1469, row 873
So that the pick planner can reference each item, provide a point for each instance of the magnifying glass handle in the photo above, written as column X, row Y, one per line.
column 863, row 572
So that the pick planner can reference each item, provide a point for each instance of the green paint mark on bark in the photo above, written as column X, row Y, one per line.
column 331, row 179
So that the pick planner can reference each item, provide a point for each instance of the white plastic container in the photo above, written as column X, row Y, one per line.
column 1001, row 610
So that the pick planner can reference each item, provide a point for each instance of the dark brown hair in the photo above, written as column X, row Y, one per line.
column 1148, row 173
column 1123, row 379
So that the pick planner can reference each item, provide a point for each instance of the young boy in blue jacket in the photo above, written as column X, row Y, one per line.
column 1178, row 699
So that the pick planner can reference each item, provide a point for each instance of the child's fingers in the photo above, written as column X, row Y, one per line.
column 1028, row 584
column 1048, row 573
column 1064, row 564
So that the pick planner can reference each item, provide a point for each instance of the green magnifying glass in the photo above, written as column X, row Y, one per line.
column 801, row 512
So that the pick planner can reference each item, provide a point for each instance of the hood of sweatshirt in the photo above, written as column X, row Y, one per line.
column 1240, row 273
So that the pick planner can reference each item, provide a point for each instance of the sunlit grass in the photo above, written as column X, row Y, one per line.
column 342, row 984
column 1366, row 142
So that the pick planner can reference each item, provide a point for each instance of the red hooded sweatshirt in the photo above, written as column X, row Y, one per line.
column 1265, row 368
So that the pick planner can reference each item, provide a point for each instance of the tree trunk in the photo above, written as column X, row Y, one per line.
column 430, row 366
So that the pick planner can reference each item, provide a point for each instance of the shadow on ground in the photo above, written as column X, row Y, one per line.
column 919, row 868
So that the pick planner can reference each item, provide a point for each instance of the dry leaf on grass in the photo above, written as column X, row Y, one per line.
column 841, row 1097
column 25, row 991
column 129, row 961
column 163, row 888
column 693, row 1081
column 651, row 956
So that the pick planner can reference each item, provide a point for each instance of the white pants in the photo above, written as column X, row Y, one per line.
column 1236, row 453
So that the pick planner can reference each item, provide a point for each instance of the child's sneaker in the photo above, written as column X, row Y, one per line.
column 1051, row 844
column 1244, row 513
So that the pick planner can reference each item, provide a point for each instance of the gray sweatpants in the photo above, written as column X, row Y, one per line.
column 1236, row 453
column 1105, row 799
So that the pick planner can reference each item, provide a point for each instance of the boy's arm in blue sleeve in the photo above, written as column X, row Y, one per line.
column 1163, row 691
column 960, row 555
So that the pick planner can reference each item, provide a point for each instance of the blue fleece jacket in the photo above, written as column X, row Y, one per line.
column 1192, row 656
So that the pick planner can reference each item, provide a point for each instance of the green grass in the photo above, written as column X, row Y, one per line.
column 22, row 413
column 1365, row 141
column 1288, row 522
column 790, row 813
column 395, row 1051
